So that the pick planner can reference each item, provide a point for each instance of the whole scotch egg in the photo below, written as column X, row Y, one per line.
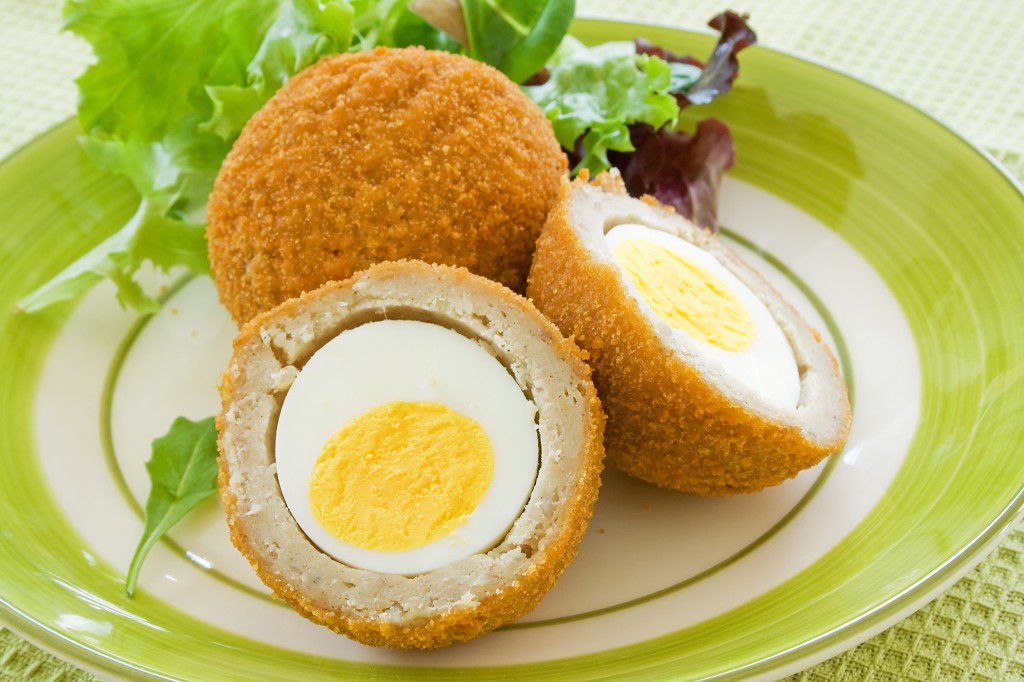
column 380, row 155
column 409, row 457
column 711, row 382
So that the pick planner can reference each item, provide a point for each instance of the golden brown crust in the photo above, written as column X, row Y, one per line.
column 666, row 425
column 541, row 570
column 454, row 626
column 459, row 625
column 381, row 155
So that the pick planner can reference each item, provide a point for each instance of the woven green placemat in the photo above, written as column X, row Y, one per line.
column 958, row 61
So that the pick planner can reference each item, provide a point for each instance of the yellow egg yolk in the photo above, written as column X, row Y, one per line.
column 401, row 476
column 686, row 295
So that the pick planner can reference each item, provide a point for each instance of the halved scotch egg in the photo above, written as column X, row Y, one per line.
column 711, row 382
column 409, row 457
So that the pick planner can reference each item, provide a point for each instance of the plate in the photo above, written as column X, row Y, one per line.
column 897, row 238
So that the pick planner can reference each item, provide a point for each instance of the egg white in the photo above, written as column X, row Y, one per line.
column 405, row 360
column 767, row 367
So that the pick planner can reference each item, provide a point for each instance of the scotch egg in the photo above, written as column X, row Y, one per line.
column 409, row 457
column 711, row 382
column 380, row 155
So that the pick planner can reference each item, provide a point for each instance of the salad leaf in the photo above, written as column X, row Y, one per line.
column 516, row 36
column 683, row 76
column 593, row 94
column 716, row 76
column 401, row 28
column 298, row 36
column 679, row 169
column 150, row 234
column 392, row 23
column 721, row 69
column 183, row 473
column 172, row 86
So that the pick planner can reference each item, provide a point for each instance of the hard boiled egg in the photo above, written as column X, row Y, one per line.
column 711, row 312
column 403, row 446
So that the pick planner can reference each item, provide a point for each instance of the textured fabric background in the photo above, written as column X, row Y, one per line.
column 959, row 60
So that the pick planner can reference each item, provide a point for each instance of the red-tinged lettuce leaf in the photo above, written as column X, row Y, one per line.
column 695, row 82
column 593, row 94
column 722, row 67
column 644, row 46
column 679, row 169
column 686, row 70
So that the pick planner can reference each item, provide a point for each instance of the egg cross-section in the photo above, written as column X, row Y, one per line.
column 403, row 446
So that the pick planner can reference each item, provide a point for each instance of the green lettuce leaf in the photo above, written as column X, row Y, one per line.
column 392, row 24
column 151, row 234
column 182, row 473
column 173, row 83
column 595, row 93
column 683, row 76
column 516, row 36
column 299, row 35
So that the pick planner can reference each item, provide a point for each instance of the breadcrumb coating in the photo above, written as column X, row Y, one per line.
column 668, row 424
column 467, row 598
column 375, row 156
